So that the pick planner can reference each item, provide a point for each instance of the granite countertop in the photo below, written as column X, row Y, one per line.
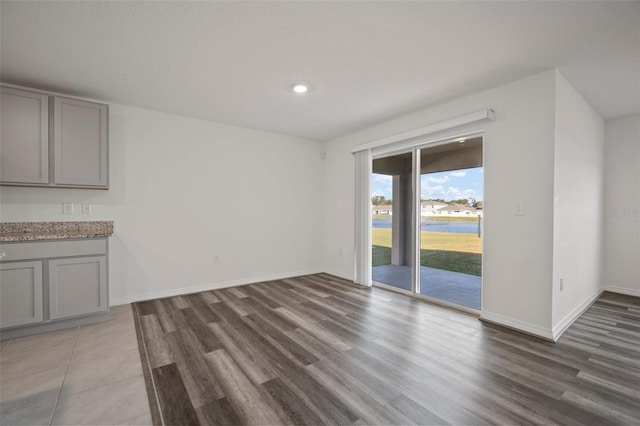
column 36, row 231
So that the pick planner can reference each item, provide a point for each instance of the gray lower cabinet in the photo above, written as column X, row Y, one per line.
column 77, row 286
column 52, row 141
column 20, row 293
column 24, row 137
column 49, row 285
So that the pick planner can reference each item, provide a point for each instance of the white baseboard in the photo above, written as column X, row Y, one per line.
column 570, row 318
column 338, row 274
column 210, row 286
column 623, row 290
column 517, row 325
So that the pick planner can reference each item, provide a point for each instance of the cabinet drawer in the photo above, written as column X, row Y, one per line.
column 52, row 249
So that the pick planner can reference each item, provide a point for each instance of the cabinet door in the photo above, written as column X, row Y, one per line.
column 24, row 138
column 20, row 293
column 77, row 286
column 80, row 143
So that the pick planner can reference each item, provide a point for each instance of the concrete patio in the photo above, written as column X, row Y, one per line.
column 453, row 287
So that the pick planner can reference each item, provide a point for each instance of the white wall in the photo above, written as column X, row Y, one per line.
column 622, row 205
column 578, row 198
column 519, row 166
column 182, row 189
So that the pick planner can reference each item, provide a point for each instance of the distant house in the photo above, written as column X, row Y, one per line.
column 457, row 210
column 431, row 207
column 382, row 209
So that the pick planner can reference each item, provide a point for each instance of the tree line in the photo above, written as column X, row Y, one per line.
column 380, row 200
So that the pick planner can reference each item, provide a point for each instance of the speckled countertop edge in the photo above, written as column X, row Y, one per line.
column 36, row 231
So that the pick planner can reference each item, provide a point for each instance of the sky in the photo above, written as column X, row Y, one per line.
column 448, row 186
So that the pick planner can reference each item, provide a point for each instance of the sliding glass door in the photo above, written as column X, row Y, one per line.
column 427, row 210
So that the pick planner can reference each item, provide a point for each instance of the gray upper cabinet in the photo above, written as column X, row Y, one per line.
column 24, row 138
column 79, row 143
column 53, row 141
column 20, row 293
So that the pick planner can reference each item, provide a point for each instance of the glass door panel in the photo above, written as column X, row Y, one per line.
column 392, row 209
column 451, row 222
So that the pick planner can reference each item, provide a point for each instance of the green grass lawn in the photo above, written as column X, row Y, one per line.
column 441, row 250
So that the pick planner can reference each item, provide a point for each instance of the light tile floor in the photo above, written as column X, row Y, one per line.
column 85, row 375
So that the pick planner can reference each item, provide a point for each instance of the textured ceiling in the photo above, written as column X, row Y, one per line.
column 234, row 62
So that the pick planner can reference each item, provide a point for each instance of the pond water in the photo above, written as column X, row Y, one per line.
column 435, row 226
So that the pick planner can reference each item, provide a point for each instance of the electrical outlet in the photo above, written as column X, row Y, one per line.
column 216, row 258
column 340, row 252
column 67, row 208
column 561, row 284
column 86, row 208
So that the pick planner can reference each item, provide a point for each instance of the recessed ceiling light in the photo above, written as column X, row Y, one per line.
column 461, row 140
column 300, row 88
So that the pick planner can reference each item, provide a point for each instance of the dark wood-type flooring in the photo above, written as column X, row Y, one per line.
column 318, row 350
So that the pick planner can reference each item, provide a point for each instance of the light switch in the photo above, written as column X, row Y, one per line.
column 519, row 209
column 67, row 208
column 86, row 208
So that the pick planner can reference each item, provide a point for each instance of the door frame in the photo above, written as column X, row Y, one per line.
column 415, row 149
